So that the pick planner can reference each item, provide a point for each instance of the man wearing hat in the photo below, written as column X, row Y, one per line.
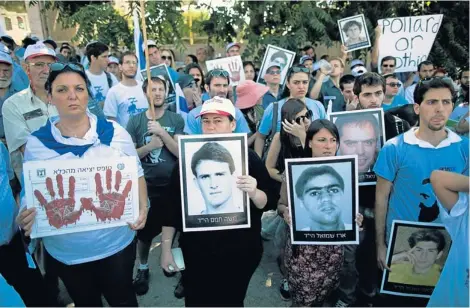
column 28, row 110
column 326, row 87
column 113, row 67
column 7, row 88
column 20, row 79
column 238, row 251
column 272, row 77
column 232, row 49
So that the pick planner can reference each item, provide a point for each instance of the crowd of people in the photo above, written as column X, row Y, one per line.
column 56, row 105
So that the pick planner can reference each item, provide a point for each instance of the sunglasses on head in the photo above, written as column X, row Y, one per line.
column 58, row 66
column 393, row 84
column 298, row 69
column 218, row 73
column 167, row 58
column 301, row 119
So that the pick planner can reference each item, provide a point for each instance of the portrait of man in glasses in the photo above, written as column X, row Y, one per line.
column 320, row 191
column 279, row 57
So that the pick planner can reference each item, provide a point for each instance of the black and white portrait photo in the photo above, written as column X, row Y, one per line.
column 276, row 56
column 354, row 34
column 323, row 200
column 209, row 167
column 361, row 133
column 162, row 71
column 416, row 255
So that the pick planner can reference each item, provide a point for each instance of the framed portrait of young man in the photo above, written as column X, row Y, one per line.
column 274, row 55
column 323, row 200
column 354, row 34
column 362, row 133
column 416, row 255
column 209, row 168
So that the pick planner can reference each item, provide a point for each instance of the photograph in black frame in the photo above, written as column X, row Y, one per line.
column 209, row 166
column 416, row 254
column 323, row 200
column 353, row 31
column 362, row 133
column 278, row 56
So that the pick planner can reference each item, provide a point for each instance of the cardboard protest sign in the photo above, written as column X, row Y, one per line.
column 233, row 65
column 408, row 39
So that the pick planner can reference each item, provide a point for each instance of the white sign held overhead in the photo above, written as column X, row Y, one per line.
column 408, row 39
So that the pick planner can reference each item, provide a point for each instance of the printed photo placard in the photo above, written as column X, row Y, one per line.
column 274, row 55
column 354, row 34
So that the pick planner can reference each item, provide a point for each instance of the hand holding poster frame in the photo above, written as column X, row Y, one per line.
column 362, row 132
column 408, row 39
column 232, row 65
column 279, row 56
column 323, row 199
column 353, row 31
column 209, row 167
column 81, row 195
column 415, row 247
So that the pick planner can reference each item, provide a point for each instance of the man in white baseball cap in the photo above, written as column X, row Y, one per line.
column 27, row 110
column 113, row 67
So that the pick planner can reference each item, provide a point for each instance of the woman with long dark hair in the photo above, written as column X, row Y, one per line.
column 195, row 70
column 313, row 271
column 250, row 70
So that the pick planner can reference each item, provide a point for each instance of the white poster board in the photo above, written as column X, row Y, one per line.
column 232, row 65
column 408, row 39
column 81, row 195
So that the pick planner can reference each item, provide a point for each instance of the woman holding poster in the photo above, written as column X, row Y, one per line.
column 90, row 263
column 313, row 271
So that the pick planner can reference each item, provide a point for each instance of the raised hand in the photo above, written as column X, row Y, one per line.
column 60, row 211
column 111, row 203
column 234, row 69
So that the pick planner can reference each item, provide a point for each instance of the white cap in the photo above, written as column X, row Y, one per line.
column 218, row 105
column 38, row 49
column 151, row 43
column 5, row 58
column 112, row 60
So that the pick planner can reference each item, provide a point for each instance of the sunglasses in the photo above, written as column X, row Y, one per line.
column 393, row 84
column 301, row 119
column 298, row 69
column 273, row 72
column 388, row 65
column 167, row 58
column 59, row 66
column 218, row 73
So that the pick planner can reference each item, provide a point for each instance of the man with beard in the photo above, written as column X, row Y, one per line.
column 405, row 163
column 7, row 88
column 156, row 143
column 126, row 98
column 320, row 191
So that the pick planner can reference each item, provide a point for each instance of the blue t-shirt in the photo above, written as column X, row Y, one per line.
column 452, row 287
column 8, row 208
column 269, row 98
column 407, row 162
column 396, row 102
column 194, row 126
column 266, row 122
column 8, row 295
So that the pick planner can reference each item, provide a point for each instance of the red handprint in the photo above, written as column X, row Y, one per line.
column 234, row 71
column 60, row 212
column 111, row 203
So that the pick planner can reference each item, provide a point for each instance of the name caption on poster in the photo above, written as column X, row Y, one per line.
column 217, row 219
column 324, row 236
column 81, row 170
column 413, row 289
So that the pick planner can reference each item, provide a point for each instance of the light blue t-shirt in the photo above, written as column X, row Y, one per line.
column 452, row 288
column 8, row 295
column 407, row 162
column 266, row 122
column 8, row 208
column 396, row 102
column 194, row 126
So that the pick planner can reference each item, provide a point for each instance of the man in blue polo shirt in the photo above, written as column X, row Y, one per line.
column 272, row 77
column 217, row 84
column 297, row 81
column 405, row 163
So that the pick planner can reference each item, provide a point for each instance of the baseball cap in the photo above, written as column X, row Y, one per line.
column 112, row 60
column 305, row 58
column 7, row 39
column 248, row 93
column 358, row 70
column 185, row 81
column 5, row 58
column 50, row 41
column 271, row 64
column 231, row 45
column 356, row 62
column 218, row 105
column 151, row 43
column 4, row 48
column 38, row 49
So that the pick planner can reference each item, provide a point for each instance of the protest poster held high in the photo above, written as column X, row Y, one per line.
column 408, row 39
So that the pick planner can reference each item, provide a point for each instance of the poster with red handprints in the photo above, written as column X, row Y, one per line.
column 81, row 195
column 232, row 65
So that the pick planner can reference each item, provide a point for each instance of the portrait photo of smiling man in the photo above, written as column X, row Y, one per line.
column 323, row 197
column 354, row 34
